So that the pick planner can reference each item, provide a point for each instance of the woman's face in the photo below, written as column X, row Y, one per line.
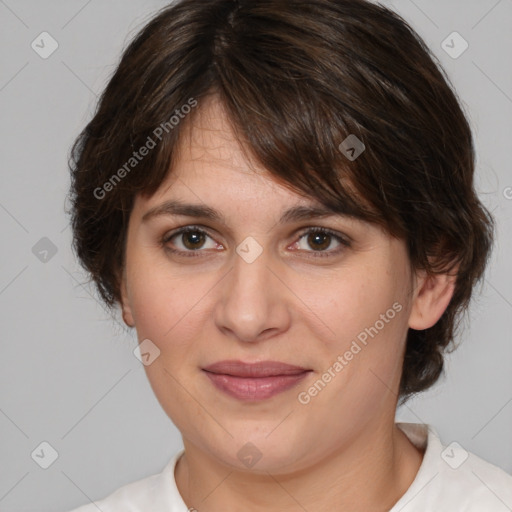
column 250, row 287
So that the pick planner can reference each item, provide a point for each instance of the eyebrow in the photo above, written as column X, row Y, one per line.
column 175, row 207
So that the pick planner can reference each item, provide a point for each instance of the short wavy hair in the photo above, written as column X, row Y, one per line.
column 295, row 78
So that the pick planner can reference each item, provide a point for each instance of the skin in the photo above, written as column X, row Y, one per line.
column 340, row 451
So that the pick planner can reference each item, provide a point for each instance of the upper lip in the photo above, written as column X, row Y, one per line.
column 260, row 369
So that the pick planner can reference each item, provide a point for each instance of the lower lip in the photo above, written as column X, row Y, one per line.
column 254, row 389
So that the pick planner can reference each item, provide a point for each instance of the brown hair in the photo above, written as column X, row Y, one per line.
column 295, row 78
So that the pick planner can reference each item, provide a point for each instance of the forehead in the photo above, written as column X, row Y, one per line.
column 209, row 139
column 212, row 170
column 211, row 166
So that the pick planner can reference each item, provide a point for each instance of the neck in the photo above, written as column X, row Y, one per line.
column 371, row 473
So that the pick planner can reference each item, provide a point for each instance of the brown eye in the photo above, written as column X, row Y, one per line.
column 189, row 241
column 319, row 241
column 192, row 239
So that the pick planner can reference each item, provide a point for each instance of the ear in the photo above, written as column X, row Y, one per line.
column 432, row 294
column 125, row 303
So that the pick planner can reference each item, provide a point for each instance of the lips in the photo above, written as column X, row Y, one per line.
column 256, row 370
column 254, row 381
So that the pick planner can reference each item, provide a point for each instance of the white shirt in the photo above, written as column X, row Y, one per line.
column 449, row 480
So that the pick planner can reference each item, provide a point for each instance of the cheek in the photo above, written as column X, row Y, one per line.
column 166, row 311
column 162, row 302
column 352, row 303
column 367, row 319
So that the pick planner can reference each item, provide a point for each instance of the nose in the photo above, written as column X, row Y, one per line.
column 254, row 303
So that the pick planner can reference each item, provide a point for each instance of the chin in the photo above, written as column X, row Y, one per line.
column 260, row 454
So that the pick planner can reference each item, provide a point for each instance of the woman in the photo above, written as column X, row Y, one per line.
column 279, row 196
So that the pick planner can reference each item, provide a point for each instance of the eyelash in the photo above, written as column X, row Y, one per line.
column 197, row 253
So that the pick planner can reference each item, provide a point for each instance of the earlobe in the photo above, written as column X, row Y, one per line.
column 431, row 298
column 125, row 304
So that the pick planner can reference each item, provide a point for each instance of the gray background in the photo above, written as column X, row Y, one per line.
column 68, row 375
